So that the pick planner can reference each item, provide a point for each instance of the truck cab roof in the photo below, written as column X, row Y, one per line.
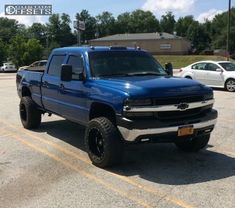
column 93, row 48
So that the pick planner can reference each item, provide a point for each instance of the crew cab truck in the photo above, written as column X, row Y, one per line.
column 121, row 95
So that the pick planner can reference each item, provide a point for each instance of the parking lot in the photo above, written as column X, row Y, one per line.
column 50, row 168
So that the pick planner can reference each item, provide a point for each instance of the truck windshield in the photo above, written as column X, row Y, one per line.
column 123, row 63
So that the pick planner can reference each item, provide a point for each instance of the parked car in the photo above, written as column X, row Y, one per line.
column 122, row 95
column 35, row 66
column 219, row 74
column 8, row 67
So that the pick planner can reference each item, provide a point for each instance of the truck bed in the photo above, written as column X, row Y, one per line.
column 31, row 80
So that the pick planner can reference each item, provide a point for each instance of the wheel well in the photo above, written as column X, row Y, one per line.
column 229, row 79
column 26, row 92
column 188, row 77
column 102, row 110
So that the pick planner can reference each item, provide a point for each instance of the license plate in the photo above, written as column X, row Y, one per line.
column 185, row 131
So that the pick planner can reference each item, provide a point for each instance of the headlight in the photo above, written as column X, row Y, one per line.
column 137, row 102
column 131, row 103
column 209, row 96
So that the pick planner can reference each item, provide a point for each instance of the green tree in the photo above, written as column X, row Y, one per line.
column 59, row 30
column 167, row 22
column 39, row 32
column 23, row 52
column 106, row 24
column 143, row 21
column 33, row 51
column 8, row 29
column 199, row 36
column 124, row 23
column 16, row 50
column 3, row 53
column 182, row 25
column 219, row 31
column 66, row 36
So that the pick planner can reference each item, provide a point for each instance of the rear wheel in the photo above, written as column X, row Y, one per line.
column 230, row 85
column 195, row 144
column 103, row 142
column 29, row 114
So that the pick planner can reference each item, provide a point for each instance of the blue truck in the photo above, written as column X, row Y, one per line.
column 121, row 95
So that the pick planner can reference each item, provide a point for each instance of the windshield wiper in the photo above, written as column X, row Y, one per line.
column 132, row 74
column 117, row 74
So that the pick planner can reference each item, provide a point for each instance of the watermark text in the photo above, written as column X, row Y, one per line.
column 28, row 9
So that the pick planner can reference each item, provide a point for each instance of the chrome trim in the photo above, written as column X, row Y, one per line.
column 161, row 108
column 131, row 134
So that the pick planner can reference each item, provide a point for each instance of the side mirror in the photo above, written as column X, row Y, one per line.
column 169, row 69
column 81, row 76
column 219, row 70
column 66, row 73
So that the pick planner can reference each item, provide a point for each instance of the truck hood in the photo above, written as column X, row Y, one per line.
column 152, row 86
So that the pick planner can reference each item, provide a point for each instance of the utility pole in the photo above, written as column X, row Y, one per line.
column 78, row 37
column 228, row 31
column 79, row 26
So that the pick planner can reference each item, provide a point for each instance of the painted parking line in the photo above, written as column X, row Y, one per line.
column 105, row 184
column 134, row 183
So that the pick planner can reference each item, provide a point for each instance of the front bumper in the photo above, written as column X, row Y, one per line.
column 135, row 130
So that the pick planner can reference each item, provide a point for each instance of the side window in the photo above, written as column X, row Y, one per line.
column 211, row 67
column 55, row 65
column 34, row 64
column 77, row 64
column 43, row 63
column 200, row 66
column 195, row 66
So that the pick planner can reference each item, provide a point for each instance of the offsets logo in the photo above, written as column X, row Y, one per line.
column 32, row 9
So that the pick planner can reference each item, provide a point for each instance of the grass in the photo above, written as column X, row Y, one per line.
column 182, row 61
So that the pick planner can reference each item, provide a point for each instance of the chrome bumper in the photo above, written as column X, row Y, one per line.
column 131, row 134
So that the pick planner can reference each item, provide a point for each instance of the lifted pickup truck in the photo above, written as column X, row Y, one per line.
column 122, row 95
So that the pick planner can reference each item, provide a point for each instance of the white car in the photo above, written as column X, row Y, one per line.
column 35, row 66
column 219, row 74
column 8, row 67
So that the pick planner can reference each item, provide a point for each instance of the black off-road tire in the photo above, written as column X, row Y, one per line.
column 29, row 114
column 195, row 144
column 229, row 85
column 103, row 143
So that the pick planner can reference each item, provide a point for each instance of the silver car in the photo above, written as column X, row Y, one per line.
column 35, row 66
column 8, row 67
column 219, row 74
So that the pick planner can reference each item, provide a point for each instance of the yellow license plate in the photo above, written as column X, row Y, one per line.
column 185, row 131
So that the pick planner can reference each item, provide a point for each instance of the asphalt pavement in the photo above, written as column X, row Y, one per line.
column 49, row 167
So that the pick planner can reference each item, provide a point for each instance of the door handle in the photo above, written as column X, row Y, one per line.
column 61, row 87
column 45, row 84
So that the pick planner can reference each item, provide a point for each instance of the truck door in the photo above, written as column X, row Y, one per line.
column 73, row 94
column 50, row 84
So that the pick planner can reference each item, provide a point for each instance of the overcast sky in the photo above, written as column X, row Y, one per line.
column 200, row 9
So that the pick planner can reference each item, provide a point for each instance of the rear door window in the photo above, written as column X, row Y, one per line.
column 55, row 65
column 199, row 66
column 77, row 64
